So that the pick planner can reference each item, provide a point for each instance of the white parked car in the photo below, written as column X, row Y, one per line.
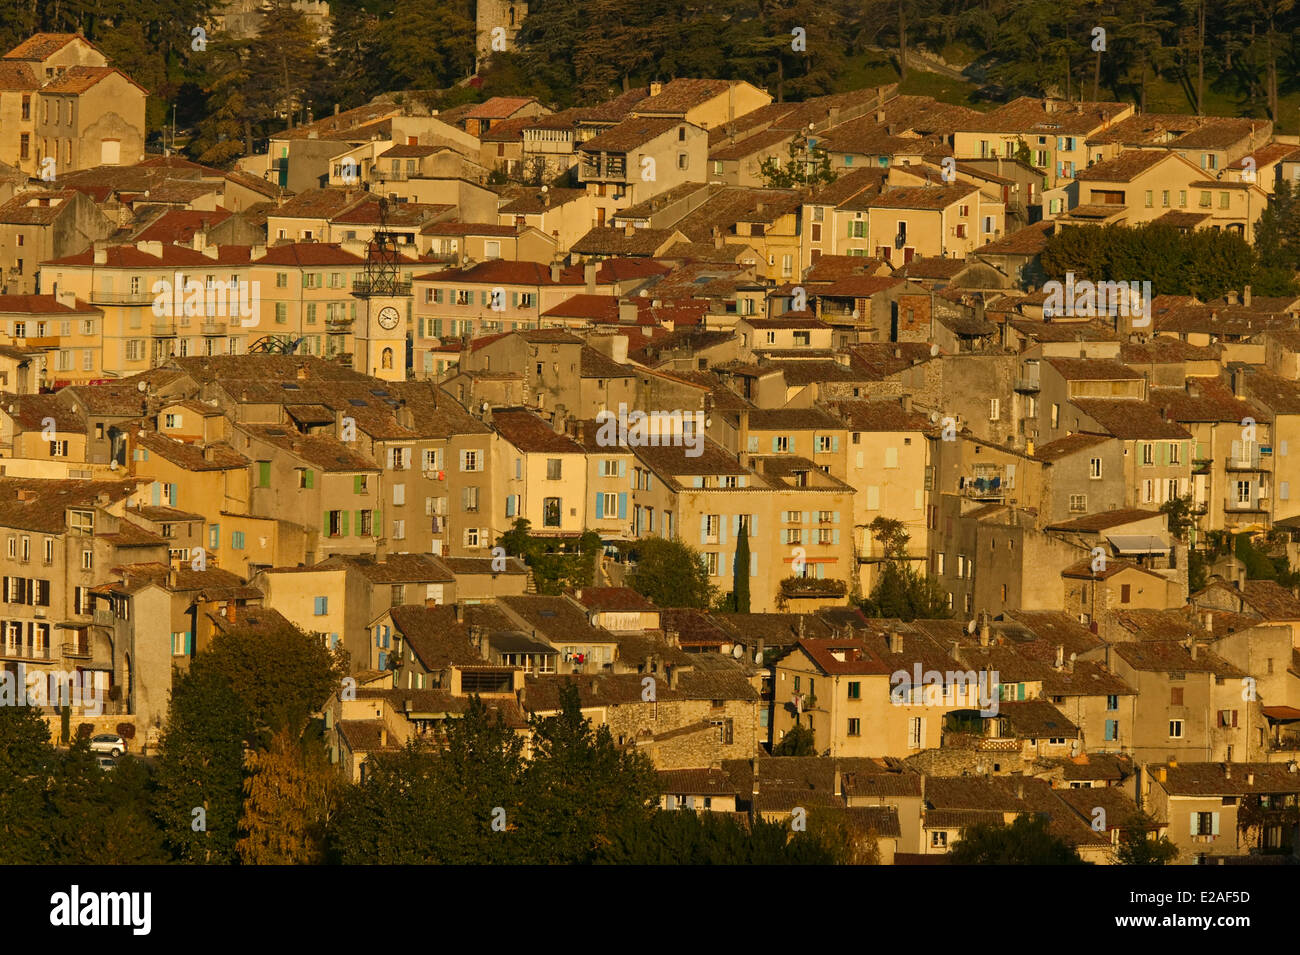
column 107, row 762
column 109, row 743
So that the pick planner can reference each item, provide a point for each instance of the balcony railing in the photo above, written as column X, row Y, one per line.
column 121, row 298
column 105, row 618
column 162, row 329
column 1255, row 503
column 77, row 651
column 987, row 487
column 1245, row 462
column 24, row 651
column 1028, row 384
column 367, row 288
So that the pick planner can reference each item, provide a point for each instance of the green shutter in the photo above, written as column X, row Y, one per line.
column 325, row 525
column 309, row 478
column 343, row 528
column 263, row 473
column 359, row 523
column 378, row 523
column 356, row 484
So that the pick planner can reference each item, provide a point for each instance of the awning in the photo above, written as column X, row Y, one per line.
column 1281, row 714
column 1138, row 543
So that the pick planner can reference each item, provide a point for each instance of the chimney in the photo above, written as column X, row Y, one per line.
column 101, row 253
column 906, row 402
column 1020, row 789
column 1193, row 649
column 672, row 677
column 302, row 372
column 954, row 650
column 984, row 628
column 895, row 642
column 656, row 88
column 1232, row 296
column 742, row 436
column 1245, row 296
column 1209, row 622
column 230, row 611
column 460, row 612
column 589, row 277
column 760, row 650
column 336, row 109
column 1060, row 656
column 629, row 230
column 1250, row 779
column 1227, row 770
column 555, row 273
column 1163, row 774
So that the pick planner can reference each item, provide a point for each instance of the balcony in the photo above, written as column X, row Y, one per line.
column 77, row 651
column 163, row 330
column 1245, row 462
column 121, row 298
column 105, row 618
column 1028, row 384
column 21, row 651
column 986, row 486
column 1255, row 504
column 338, row 324
column 381, row 288
column 214, row 328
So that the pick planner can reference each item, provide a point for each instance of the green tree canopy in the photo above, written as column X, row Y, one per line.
column 671, row 573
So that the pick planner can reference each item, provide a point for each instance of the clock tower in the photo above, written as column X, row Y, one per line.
column 381, row 335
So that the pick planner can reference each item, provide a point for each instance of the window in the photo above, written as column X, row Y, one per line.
column 553, row 469
column 471, row 461
column 87, row 560
column 471, row 537
column 322, row 606
column 855, row 726
column 334, row 524
column 1094, row 469
column 1112, row 702
column 1175, row 452
column 1078, row 503
column 365, row 523
column 1175, row 729
column 938, row 840
column 793, row 535
column 399, row 530
column 551, row 508
column 49, row 550
column 1205, row 824
column 469, row 499
column 81, row 522
column 855, row 690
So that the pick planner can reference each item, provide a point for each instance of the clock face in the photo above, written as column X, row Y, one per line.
column 388, row 317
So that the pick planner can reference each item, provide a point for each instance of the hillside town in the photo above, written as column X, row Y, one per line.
column 782, row 436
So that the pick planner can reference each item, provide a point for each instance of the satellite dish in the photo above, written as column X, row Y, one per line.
column 934, row 416
column 758, row 657
column 970, row 627
column 546, row 188
column 142, row 386
column 738, row 651
column 934, row 351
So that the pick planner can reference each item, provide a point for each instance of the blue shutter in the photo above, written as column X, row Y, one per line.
column 378, row 641
column 622, row 469
column 753, row 564
column 735, row 525
column 171, row 494
column 600, row 505
column 510, row 505
column 753, row 527
column 387, row 634
column 806, row 519
column 774, row 444
column 383, row 660
column 835, row 536
column 835, row 443
column 835, row 517
column 699, row 481
column 622, row 506
column 157, row 493
column 1214, row 818
column 649, row 481
column 189, row 642
column 704, row 536
column 722, row 528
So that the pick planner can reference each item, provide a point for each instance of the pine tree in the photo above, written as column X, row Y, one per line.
column 740, row 573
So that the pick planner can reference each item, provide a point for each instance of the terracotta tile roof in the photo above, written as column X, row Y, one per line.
column 542, row 693
column 15, row 75
column 1214, row 402
column 1028, row 115
column 605, row 599
column 1279, row 395
column 1093, row 523
column 465, row 566
column 43, row 305
column 36, row 208
column 596, row 364
column 1163, row 656
column 435, row 636
column 1031, row 240
column 1035, row 719
column 1092, row 369
column 696, row 782
column 77, row 79
column 530, row 434
column 499, row 107
column 319, row 450
column 1125, row 167
column 843, row 657
column 30, row 412
column 41, row 46
column 178, row 226
column 676, row 97
column 629, row 135
column 1225, row 779
column 1070, row 444
column 309, row 253
column 1128, row 419
column 217, row 456
column 1270, row 600
column 255, row 183
column 1220, row 132
column 49, row 499
column 605, row 240
column 859, row 286
column 923, row 197
column 869, row 415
